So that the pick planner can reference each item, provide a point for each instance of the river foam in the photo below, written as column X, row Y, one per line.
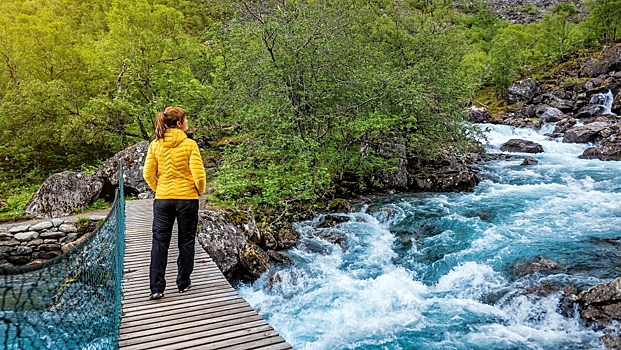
column 435, row 271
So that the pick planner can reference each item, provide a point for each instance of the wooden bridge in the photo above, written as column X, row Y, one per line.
column 211, row 315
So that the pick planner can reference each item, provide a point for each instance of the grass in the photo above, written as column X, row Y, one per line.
column 12, row 205
column 99, row 204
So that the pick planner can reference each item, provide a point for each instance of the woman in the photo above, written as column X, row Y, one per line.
column 174, row 170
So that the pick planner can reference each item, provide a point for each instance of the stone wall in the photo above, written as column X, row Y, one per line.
column 30, row 244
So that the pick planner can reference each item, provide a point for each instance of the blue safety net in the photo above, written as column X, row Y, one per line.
column 72, row 301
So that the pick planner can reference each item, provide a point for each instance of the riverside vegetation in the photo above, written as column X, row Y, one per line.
column 291, row 100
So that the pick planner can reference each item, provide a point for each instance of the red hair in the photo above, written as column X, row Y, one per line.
column 170, row 118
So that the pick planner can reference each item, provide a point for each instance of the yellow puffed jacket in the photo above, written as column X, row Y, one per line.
column 174, row 168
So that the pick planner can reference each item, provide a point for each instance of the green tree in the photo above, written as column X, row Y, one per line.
column 319, row 86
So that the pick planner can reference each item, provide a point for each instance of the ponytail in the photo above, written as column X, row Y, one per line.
column 160, row 125
column 168, row 119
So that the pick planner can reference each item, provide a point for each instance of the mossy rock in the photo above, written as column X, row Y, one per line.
column 339, row 204
column 236, row 217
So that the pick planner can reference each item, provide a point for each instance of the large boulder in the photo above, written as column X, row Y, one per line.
column 133, row 163
column 601, row 303
column 605, row 61
column 447, row 175
column 477, row 115
column 552, row 115
column 608, row 149
column 522, row 91
column 591, row 110
column 523, row 146
column 587, row 133
column 231, row 239
column 62, row 193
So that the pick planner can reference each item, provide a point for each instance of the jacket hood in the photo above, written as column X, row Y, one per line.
column 173, row 137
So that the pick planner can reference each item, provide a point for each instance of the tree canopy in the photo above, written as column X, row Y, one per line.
column 316, row 89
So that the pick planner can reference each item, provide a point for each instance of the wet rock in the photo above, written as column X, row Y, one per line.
column 523, row 146
column 587, row 133
column 600, row 304
column 62, row 193
column 591, row 110
column 278, row 257
column 609, row 149
column 523, row 267
column 610, row 341
column 530, row 161
column 564, row 125
column 254, row 260
column 332, row 220
column 287, row 238
column 522, row 91
column 334, row 237
column 273, row 280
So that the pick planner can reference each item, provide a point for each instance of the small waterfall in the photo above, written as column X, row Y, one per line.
column 603, row 99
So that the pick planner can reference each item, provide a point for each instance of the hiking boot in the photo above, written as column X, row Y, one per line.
column 183, row 290
column 156, row 296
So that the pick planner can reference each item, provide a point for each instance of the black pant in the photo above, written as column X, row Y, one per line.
column 165, row 211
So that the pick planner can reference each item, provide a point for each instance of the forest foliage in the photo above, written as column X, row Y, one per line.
column 314, row 88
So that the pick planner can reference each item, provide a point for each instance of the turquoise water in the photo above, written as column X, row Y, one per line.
column 433, row 271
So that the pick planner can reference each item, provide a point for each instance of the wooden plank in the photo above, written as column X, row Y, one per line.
column 206, row 336
column 210, row 315
column 170, row 328
column 170, row 313
column 232, row 310
column 271, row 343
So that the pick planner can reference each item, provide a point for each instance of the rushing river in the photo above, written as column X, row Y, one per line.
column 433, row 271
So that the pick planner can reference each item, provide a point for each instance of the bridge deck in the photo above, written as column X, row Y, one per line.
column 211, row 315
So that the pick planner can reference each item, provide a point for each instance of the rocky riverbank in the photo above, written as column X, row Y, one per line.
column 580, row 101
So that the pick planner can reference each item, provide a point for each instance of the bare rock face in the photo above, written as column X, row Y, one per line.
column 522, row 91
column 607, row 60
column 230, row 239
column 133, row 164
column 62, row 193
column 523, row 146
column 395, row 149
